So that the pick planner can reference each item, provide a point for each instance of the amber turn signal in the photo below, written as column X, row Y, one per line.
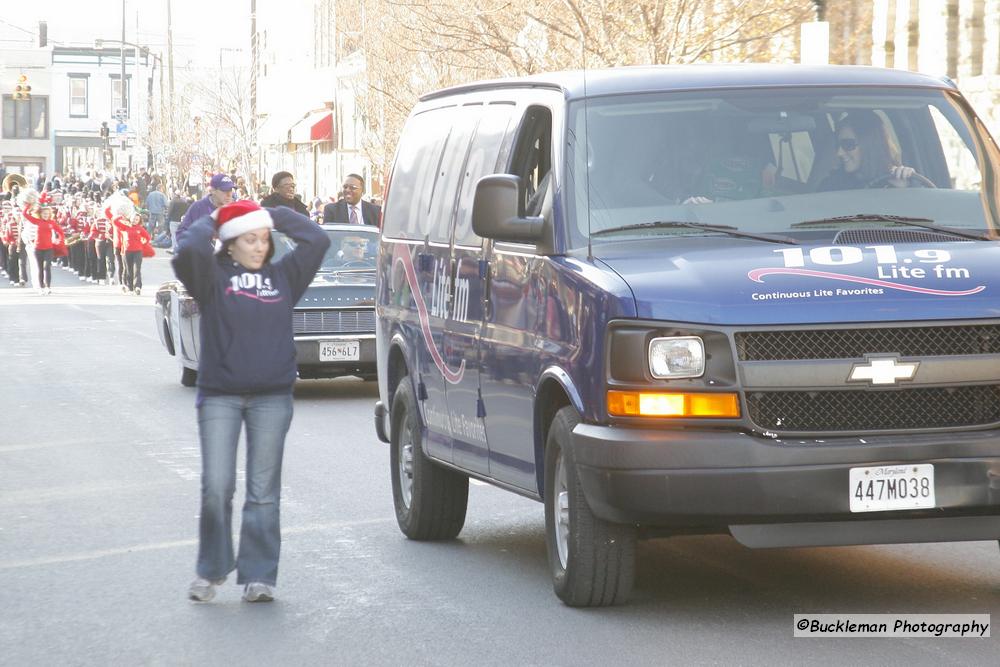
column 672, row 404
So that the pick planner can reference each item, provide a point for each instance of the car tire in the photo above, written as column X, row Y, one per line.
column 592, row 560
column 430, row 500
column 189, row 376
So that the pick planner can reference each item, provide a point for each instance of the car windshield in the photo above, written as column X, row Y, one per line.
column 350, row 249
column 763, row 160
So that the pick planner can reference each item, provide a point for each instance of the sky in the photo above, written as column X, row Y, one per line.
column 200, row 28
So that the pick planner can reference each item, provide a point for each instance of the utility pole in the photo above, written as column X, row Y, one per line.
column 170, row 60
column 124, row 103
column 253, row 94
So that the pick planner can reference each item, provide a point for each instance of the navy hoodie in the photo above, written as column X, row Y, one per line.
column 246, row 316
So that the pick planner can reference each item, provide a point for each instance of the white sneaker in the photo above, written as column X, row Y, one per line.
column 258, row 592
column 203, row 590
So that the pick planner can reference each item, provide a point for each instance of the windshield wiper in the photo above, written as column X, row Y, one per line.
column 923, row 223
column 723, row 229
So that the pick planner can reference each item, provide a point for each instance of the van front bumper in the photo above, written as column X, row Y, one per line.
column 785, row 492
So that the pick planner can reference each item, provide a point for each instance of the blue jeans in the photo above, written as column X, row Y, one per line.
column 220, row 419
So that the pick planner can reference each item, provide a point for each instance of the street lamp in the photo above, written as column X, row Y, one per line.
column 139, row 49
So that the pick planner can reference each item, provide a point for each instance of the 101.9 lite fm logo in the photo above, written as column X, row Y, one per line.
column 891, row 268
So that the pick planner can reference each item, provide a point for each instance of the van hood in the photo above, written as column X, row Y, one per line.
column 714, row 280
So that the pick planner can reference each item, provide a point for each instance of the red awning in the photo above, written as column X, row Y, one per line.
column 322, row 129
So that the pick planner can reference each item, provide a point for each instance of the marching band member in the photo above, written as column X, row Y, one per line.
column 48, row 237
column 134, row 239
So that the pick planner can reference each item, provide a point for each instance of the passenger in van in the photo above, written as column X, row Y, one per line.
column 867, row 154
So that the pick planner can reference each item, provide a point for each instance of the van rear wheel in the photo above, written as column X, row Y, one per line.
column 592, row 560
column 430, row 500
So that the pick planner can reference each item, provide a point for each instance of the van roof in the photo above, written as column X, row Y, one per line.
column 647, row 78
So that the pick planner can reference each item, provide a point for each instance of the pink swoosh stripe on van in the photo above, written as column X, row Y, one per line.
column 453, row 377
column 757, row 274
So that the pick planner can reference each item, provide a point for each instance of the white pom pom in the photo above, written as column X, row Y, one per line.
column 28, row 197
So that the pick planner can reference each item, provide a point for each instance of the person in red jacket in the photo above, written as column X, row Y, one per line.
column 50, row 235
column 133, row 237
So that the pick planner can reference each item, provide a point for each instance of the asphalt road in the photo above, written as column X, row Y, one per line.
column 99, row 483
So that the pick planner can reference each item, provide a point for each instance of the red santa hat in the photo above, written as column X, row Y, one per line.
column 240, row 217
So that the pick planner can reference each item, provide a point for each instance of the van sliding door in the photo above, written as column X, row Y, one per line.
column 511, row 344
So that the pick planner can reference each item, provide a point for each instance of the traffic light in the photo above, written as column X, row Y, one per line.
column 22, row 91
column 105, row 130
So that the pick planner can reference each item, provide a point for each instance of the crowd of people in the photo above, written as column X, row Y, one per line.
column 99, row 226
column 100, row 242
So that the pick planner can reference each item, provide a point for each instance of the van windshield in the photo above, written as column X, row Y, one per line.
column 766, row 160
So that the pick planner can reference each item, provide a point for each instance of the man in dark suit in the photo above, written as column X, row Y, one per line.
column 351, row 209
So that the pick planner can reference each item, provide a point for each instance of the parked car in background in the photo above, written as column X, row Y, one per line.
column 334, row 322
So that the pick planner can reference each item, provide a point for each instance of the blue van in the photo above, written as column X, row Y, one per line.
column 755, row 300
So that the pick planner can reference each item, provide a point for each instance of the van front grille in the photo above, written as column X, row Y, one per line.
column 856, row 343
column 852, row 410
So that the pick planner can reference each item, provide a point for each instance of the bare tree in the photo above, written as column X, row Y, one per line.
column 411, row 47
column 226, row 123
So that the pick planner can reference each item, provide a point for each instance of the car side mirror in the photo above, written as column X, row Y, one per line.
column 498, row 211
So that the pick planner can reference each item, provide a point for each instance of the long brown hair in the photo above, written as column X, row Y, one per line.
column 879, row 153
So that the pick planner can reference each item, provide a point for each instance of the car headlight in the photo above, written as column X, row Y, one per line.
column 676, row 357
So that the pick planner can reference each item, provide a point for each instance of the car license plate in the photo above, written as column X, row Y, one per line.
column 900, row 487
column 339, row 350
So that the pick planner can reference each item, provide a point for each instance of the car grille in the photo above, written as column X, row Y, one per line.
column 333, row 321
column 856, row 343
column 874, row 410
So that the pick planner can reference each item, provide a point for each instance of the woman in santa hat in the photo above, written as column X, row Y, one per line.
column 48, row 236
column 246, row 370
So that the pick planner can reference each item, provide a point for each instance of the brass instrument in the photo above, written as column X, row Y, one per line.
column 11, row 179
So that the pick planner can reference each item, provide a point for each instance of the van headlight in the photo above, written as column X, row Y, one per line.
column 676, row 357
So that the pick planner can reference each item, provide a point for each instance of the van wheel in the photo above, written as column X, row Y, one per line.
column 189, row 376
column 592, row 560
column 430, row 500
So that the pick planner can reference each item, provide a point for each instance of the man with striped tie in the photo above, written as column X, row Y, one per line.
column 351, row 209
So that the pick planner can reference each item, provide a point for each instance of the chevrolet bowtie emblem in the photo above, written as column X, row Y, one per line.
column 883, row 370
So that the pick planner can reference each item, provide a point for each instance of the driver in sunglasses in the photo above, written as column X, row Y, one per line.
column 867, row 156
column 353, row 251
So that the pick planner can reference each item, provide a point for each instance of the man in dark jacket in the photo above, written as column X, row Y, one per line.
column 283, row 184
column 175, row 213
column 351, row 209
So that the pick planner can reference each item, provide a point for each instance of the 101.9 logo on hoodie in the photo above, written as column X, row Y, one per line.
column 254, row 286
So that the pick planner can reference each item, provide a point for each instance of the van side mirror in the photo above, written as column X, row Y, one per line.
column 498, row 211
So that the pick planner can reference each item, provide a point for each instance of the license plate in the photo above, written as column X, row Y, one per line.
column 339, row 350
column 902, row 487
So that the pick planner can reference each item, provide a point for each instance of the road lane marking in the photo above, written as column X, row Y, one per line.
column 173, row 544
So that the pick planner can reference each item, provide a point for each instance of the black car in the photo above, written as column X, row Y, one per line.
column 334, row 322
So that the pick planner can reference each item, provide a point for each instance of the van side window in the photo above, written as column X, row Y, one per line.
column 532, row 159
column 417, row 163
column 450, row 172
column 482, row 162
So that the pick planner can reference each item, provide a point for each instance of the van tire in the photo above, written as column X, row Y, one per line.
column 430, row 500
column 597, row 565
column 189, row 376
